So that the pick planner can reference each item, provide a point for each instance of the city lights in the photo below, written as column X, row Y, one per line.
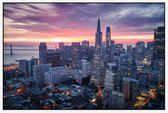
column 76, row 56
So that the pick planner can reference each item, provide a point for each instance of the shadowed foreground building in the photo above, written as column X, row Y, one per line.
column 129, row 89
column 159, row 43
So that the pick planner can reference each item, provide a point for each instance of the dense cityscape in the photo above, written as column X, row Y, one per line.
column 80, row 76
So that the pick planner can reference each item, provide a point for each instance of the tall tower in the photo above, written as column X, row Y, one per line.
column 85, row 49
column 159, row 43
column 108, row 44
column 75, row 54
column 43, row 53
column 110, row 76
column 98, row 45
column 11, row 50
column 98, row 72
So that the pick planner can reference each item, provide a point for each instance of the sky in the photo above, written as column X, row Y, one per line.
column 28, row 24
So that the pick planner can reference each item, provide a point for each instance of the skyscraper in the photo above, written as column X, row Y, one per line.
column 140, row 46
column 53, row 57
column 23, row 66
column 39, row 71
column 150, row 45
column 61, row 45
column 112, row 50
column 68, row 52
column 108, row 44
column 129, row 88
column 110, row 76
column 98, row 45
column 116, row 100
column 85, row 49
column 56, row 75
column 31, row 63
column 75, row 54
column 159, row 43
column 129, row 48
column 98, row 70
column 43, row 53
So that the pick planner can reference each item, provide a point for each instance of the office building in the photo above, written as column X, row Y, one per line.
column 61, row 45
column 23, row 66
column 116, row 100
column 86, row 68
column 129, row 89
column 53, row 57
column 75, row 54
column 140, row 47
column 43, row 53
column 108, row 44
column 159, row 43
column 56, row 75
column 85, row 49
column 31, row 63
column 110, row 76
column 62, row 53
column 39, row 71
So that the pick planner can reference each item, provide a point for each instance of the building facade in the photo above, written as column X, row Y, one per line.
column 108, row 44
column 43, row 53
column 39, row 71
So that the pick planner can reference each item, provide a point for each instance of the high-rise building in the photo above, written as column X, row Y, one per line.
column 86, row 68
column 116, row 100
column 140, row 46
column 75, row 54
column 110, row 76
column 55, row 75
column 26, row 66
column 129, row 89
column 98, row 72
column 67, row 55
column 150, row 45
column 62, row 53
column 31, row 63
column 119, row 48
column 39, row 71
column 133, row 69
column 129, row 50
column 68, row 52
column 159, row 43
column 91, row 53
column 85, row 49
column 108, row 44
column 112, row 50
column 53, row 57
column 61, row 45
column 43, row 53
column 23, row 66
column 98, row 45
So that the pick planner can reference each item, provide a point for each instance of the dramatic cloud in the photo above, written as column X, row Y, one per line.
column 76, row 22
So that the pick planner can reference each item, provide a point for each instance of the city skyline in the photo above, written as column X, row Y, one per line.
column 86, row 75
column 76, row 22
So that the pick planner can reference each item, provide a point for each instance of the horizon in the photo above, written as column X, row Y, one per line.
column 52, row 45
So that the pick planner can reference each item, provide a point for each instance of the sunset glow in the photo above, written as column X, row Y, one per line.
column 34, row 23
